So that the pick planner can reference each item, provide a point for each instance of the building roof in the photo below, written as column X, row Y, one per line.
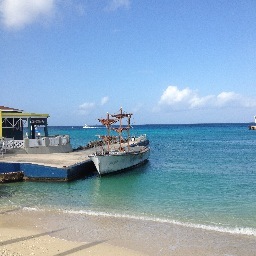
column 7, row 109
column 7, row 112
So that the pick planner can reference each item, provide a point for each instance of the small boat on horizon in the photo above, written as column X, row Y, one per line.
column 253, row 127
column 89, row 127
column 122, row 153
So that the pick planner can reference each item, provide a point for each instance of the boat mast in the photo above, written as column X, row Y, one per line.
column 107, row 122
column 120, row 128
column 108, row 127
column 128, row 131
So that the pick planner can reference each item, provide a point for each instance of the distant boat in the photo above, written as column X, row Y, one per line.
column 123, row 154
column 88, row 127
column 253, row 127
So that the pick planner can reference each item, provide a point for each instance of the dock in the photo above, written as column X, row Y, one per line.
column 54, row 167
column 40, row 156
column 34, row 155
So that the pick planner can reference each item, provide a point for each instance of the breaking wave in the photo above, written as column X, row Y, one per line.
column 230, row 230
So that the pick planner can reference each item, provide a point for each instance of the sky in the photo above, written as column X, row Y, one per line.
column 166, row 61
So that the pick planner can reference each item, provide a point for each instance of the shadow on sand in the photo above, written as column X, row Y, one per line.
column 79, row 248
column 20, row 239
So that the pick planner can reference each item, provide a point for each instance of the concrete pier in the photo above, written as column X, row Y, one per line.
column 55, row 166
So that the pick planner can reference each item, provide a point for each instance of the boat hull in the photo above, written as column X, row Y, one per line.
column 116, row 162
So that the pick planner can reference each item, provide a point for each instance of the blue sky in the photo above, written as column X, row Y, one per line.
column 165, row 61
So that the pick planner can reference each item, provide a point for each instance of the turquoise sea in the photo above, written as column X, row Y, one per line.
column 201, row 175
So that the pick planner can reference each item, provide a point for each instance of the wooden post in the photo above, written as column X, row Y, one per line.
column 108, row 126
column 29, row 128
column 120, row 131
column 128, row 131
column 46, row 129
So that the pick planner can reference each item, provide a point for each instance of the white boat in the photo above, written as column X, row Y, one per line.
column 253, row 127
column 88, row 127
column 125, row 154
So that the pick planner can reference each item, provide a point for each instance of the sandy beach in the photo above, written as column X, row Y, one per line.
column 20, row 235
column 55, row 233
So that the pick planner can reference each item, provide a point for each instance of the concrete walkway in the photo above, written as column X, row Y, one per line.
column 58, row 160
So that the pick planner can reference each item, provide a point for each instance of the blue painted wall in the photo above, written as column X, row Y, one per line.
column 41, row 172
column 9, row 167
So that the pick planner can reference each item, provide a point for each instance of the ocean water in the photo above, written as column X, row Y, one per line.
column 201, row 176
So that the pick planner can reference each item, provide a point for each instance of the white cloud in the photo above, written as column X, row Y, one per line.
column 196, row 101
column 227, row 97
column 104, row 100
column 86, row 108
column 116, row 4
column 172, row 95
column 189, row 99
column 18, row 13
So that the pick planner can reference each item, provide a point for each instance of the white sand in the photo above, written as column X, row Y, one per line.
column 56, row 233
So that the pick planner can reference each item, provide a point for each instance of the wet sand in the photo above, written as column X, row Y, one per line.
column 56, row 233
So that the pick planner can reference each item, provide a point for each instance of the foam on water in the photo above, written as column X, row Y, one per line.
column 31, row 209
column 230, row 230
column 237, row 230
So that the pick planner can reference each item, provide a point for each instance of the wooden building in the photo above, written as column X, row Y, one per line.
column 12, row 122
